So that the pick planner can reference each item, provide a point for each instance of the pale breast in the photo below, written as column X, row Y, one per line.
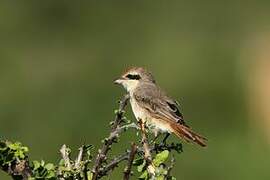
column 139, row 112
column 142, row 114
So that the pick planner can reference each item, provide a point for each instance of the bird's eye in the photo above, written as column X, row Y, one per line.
column 133, row 76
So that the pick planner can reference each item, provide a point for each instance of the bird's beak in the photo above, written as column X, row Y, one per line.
column 119, row 80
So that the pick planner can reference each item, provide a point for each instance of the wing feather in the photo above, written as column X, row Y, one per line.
column 150, row 97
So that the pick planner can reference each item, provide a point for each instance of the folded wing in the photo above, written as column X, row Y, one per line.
column 160, row 106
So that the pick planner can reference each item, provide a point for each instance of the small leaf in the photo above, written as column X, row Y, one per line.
column 144, row 175
column 36, row 165
column 49, row 175
column 141, row 167
column 138, row 161
column 19, row 154
column 24, row 149
column 160, row 178
column 88, row 146
column 42, row 163
column 61, row 162
column 116, row 111
column 3, row 146
column 14, row 146
column 49, row 166
column 89, row 175
column 161, row 157
column 162, row 170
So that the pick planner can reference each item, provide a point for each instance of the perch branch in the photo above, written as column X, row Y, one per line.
column 114, row 163
column 140, row 150
column 19, row 167
column 131, row 157
column 102, row 153
column 147, row 151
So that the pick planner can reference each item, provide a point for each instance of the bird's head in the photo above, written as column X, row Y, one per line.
column 132, row 77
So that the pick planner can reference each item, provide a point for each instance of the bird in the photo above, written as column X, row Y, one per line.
column 150, row 104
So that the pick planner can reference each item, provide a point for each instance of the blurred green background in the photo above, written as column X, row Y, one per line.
column 58, row 60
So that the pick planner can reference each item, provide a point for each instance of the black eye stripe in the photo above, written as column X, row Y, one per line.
column 133, row 76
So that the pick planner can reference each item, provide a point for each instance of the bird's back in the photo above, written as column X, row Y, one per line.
column 151, row 97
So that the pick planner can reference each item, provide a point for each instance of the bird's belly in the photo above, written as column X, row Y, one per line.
column 151, row 122
column 139, row 112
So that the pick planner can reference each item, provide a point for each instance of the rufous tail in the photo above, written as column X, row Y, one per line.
column 187, row 134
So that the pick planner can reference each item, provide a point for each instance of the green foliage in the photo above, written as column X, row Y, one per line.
column 161, row 171
column 76, row 170
column 13, row 153
column 161, row 157
column 14, row 160
column 41, row 170
column 10, row 152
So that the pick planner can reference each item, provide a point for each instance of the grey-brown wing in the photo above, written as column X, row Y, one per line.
column 150, row 97
column 174, row 107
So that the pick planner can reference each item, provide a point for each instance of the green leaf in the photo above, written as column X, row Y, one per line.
column 141, row 167
column 161, row 157
column 49, row 166
column 144, row 175
column 138, row 161
column 36, row 165
column 89, row 175
column 3, row 146
column 14, row 146
column 116, row 111
column 9, row 158
column 50, row 174
column 61, row 162
column 88, row 147
column 42, row 163
column 19, row 154
column 160, row 177
column 25, row 149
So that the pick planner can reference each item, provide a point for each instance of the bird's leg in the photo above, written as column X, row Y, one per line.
column 156, row 134
column 160, row 147
column 165, row 138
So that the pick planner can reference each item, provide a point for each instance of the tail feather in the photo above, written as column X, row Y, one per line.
column 187, row 134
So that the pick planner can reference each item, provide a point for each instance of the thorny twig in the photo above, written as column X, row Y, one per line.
column 147, row 152
column 65, row 155
column 140, row 150
column 101, row 156
column 79, row 165
column 20, row 168
column 114, row 163
column 121, row 129
column 101, row 167
column 132, row 154
column 79, row 158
